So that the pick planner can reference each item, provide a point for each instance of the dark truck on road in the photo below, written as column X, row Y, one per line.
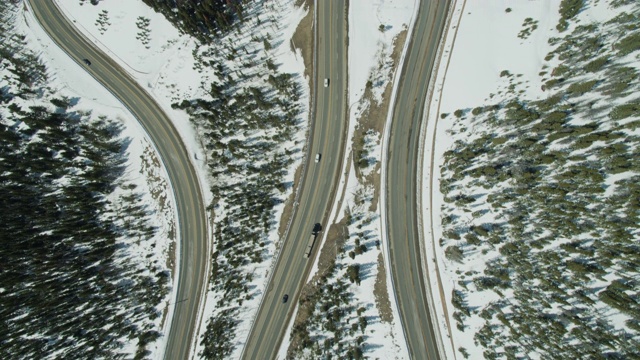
column 316, row 229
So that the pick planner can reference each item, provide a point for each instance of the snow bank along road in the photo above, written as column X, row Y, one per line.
column 190, row 205
column 402, row 228
column 319, row 183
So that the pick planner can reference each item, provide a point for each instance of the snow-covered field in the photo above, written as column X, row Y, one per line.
column 482, row 41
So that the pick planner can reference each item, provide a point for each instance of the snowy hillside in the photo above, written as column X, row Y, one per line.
column 537, row 203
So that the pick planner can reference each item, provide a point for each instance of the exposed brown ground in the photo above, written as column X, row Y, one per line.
column 288, row 206
column 374, row 118
column 303, row 39
column 380, row 292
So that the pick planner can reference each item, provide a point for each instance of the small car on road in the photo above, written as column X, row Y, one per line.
column 326, row 82
column 318, row 157
column 285, row 298
column 86, row 62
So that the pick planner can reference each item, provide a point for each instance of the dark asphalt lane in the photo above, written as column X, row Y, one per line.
column 401, row 189
column 319, row 183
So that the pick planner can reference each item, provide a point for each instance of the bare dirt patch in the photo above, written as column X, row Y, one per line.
column 374, row 119
column 307, row 3
column 303, row 38
column 288, row 206
column 381, row 293
column 336, row 236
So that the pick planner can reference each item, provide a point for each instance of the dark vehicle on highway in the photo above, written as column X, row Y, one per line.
column 87, row 62
column 285, row 298
column 316, row 230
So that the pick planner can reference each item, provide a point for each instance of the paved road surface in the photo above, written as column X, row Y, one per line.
column 318, row 183
column 401, row 181
column 192, row 220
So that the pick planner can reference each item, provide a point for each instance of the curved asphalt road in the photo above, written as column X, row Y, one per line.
column 190, row 205
column 318, row 184
column 401, row 181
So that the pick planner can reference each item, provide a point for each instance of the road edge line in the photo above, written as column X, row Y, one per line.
column 425, row 131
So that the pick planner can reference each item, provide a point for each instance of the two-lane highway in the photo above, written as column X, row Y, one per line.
column 319, row 183
column 194, row 248
column 401, row 182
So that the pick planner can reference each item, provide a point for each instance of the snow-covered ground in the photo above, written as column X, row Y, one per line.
column 165, row 65
column 67, row 78
column 481, row 42
column 373, row 27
